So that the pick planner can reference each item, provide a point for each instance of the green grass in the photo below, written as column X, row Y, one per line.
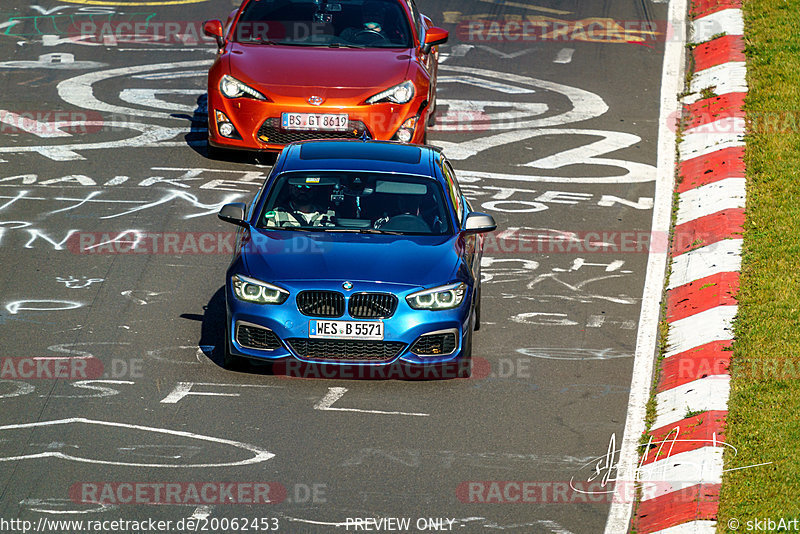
column 764, row 417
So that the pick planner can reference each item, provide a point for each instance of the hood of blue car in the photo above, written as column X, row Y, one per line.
column 414, row 261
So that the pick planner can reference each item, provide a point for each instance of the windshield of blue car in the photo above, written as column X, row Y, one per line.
column 357, row 202
column 343, row 23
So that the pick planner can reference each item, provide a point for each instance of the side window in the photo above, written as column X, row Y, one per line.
column 453, row 190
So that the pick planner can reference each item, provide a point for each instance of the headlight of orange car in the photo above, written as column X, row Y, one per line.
column 233, row 88
column 401, row 93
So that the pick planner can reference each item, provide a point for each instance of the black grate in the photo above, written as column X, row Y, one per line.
column 321, row 303
column 271, row 132
column 346, row 349
column 372, row 305
column 434, row 344
column 254, row 337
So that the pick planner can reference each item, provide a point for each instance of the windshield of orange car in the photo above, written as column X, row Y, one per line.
column 341, row 23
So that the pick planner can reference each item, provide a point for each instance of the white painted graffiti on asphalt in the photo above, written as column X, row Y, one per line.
column 92, row 454
column 516, row 121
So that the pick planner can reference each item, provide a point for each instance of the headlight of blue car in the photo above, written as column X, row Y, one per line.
column 256, row 291
column 438, row 298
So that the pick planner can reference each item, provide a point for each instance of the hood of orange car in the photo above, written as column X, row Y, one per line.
column 293, row 71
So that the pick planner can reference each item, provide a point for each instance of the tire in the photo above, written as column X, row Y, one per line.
column 432, row 115
column 465, row 362
column 217, row 154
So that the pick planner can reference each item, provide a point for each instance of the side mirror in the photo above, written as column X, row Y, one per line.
column 213, row 28
column 433, row 37
column 233, row 213
column 479, row 223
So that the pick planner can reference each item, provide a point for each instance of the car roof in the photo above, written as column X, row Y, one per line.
column 359, row 155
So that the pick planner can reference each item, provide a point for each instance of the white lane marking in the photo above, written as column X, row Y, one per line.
column 526, row 5
column 722, row 79
column 471, row 115
column 147, row 98
column 9, row 24
column 727, row 21
column 79, row 92
column 459, row 50
column 692, row 527
column 585, row 104
column 583, row 155
column 91, row 385
column 40, row 505
column 57, row 60
column 259, row 454
column 709, row 393
column 448, row 459
column 55, row 40
column 720, row 257
column 22, row 389
column 486, row 84
column 19, row 195
column 41, row 305
column 184, row 389
column 202, row 512
column 171, row 75
column 129, row 293
column 150, row 136
column 553, row 353
column 33, row 126
column 176, row 194
column 564, row 56
column 312, row 522
column 711, row 198
column 711, row 325
column 702, row 143
column 48, row 11
column 335, row 394
column 647, row 336
column 505, row 55
column 682, row 470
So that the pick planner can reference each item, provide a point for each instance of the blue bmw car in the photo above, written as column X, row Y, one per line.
column 356, row 253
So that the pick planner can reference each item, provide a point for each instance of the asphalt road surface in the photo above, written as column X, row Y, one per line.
column 555, row 137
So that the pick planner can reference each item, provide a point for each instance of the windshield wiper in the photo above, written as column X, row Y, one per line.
column 343, row 45
column 258, row 41
column 378, row 231
column 292, row 228
column 362, row 231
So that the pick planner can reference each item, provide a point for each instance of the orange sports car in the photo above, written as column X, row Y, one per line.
column 289, row 70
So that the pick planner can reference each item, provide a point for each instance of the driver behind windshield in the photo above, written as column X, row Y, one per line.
column 302, row 209
column 376, row 26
